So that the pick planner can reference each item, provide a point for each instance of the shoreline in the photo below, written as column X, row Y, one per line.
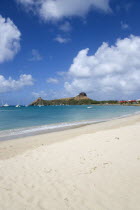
column 17, row 133
column 20, row 145
column 91, row 167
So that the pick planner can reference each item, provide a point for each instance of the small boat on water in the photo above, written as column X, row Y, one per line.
column 89, row 107
column 5, row 105
column 17, row 106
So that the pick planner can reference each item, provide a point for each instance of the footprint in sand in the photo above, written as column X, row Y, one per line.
column 92, row 170
column 66, row 201
column 105, row 164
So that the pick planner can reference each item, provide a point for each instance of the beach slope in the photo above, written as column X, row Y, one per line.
column 95, row 167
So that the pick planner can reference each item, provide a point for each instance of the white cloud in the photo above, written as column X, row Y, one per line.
column 112, row 69
column 35, row 56
column 124, row 26
column 61, row 39
column 66, row 27
column 55, row 10
column 26, row 1
column 52, row 80
column 41, row 94
column 9, row 39
column 28, row 4
column 10, row 84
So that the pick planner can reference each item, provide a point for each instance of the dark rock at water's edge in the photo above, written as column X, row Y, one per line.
column 80, row 99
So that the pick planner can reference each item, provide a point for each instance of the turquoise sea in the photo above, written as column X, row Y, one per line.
column 15, row 122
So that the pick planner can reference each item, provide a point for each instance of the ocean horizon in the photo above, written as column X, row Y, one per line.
column 24, row 121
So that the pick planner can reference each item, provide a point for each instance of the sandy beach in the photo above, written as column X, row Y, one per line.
column 94, row 167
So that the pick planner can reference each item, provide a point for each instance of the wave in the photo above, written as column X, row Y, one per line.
column 39, row 129
column 29, row 131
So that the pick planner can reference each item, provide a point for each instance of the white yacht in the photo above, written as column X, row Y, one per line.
column 17, row 106
column 6, row 105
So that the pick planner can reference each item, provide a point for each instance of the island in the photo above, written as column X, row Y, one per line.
column 81, row 99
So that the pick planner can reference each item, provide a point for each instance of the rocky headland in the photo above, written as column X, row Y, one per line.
column 80, row 99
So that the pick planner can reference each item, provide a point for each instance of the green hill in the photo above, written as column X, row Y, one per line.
column 80, row 99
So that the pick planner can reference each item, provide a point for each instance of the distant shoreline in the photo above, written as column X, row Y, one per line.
column 100, row 104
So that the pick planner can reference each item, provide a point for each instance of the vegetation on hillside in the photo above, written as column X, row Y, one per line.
column 80, row 99
column 71, row 101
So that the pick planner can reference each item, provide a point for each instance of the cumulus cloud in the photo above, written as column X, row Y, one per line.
column 61, row 39
column 52, row 80
column 28, row 4
column 55, row 10
column 10, row 84
column 9, row 39
column 35, row 56
column 112, row 69
column 41, row 94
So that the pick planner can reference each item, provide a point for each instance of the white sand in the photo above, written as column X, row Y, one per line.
column 81, row 169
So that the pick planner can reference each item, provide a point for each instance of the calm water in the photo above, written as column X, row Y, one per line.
column 30, row 119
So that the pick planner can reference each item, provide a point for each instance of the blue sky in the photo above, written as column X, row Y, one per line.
column 43, row 49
